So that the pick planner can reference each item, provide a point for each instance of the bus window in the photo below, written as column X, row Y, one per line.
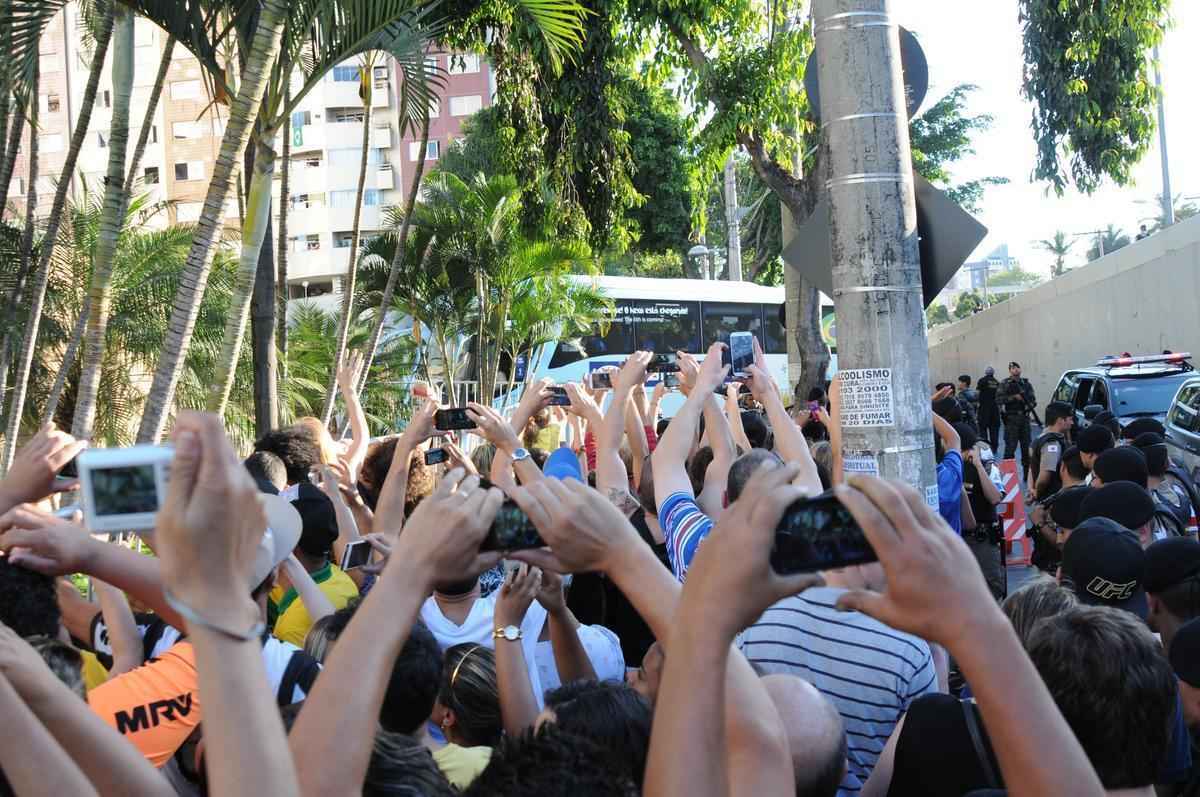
column 721, row 319
column 775, row 341
column 567, row 352
column 619, row 339
column 667, row 326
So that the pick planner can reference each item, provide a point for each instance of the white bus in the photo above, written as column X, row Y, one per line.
column 665, row 315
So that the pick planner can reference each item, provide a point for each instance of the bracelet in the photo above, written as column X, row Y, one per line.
column 193, row 618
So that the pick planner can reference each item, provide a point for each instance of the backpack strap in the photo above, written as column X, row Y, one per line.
column 302, row 670
column 985, row 760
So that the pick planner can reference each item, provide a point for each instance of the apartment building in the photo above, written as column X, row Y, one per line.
column 326, row 147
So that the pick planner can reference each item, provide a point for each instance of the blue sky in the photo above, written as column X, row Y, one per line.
column 979, row 41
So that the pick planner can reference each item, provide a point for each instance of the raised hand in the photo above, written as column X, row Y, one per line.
column 583, row 528
column 35, row 466
column 491, row 426
column 934, row 587
column 420, row 426
column 582, row 403
column 520, row 588
column 552, row 596
column 44, row 543
column 633, row 372
column 350, row 371
column 459, row 458
column 689, row 371
column 712, row 371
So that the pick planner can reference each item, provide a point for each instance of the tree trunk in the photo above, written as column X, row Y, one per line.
column 262, row 338
column 8, row 155
column 38, row 295
column 160, row 79
column 258, row 214
column 68, row 362
column 112, row 219
column 351, row 274
column 281, row 258
column 263, row 50
column 389, row 289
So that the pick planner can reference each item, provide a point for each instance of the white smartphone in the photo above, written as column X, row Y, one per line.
column 357, row 554
column 123, row 488
column 741, row 352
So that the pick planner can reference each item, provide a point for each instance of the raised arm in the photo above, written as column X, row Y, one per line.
column 734, row 413
column 935, row 590
column 315, row 602
column 348, row 377
column 720, row 438
column 950, row 439
column 491, row 426
column 518, row 704
column 122, row 628
column 332, row 739
column 110, row 762
column 346, row 526
column 789, row 440
column 570, row 657
column 611, row 477
column 669, row 459
column 33, row 473
column 32, row 761
column 389, row 509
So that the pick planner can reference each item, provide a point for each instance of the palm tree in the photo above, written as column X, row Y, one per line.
column 1182, row 210
column 38, row 294
column 1059, row 246
column 1109, row 240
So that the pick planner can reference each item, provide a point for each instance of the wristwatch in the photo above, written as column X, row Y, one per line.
column 509, row 632
column 520, row 455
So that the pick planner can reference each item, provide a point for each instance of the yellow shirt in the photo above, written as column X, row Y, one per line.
column 291, row 618
column 548, row 439
column 94, row 673
column 461, row 765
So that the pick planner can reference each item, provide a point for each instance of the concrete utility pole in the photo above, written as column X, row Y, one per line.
column 883, row 357
column 1167, row 201
column 733, row 229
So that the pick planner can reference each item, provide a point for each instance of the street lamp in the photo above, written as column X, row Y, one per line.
column 304, row 284
column 703, row 256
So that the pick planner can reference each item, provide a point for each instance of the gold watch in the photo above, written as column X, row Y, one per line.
column 509, row 632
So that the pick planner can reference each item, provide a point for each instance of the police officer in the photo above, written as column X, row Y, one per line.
column 989, row 413
column 1016, row 399
column 1043, row 478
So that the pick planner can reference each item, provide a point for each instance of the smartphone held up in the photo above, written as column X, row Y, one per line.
column 819, row 533
column 512, row 530
column 452, row 420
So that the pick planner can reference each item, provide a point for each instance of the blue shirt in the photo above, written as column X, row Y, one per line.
column 684, row 527
column 950, row 485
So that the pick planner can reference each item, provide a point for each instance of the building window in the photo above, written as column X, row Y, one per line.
column 431, row 63
column 465, row 106
column 186, row 90
column 188, row 211
column 312, row 242
column 345, row 74
column 106, row 98
column 50, row 103
column 102, row 139
column 414, row 151
column 435, row 107
column 301, row 118
column 346, row 115
column 181, row 130
column 150, row 175
column 189, row 170
column 51, row 142
column 464, row 64
column 342, row 240
column 432, row 151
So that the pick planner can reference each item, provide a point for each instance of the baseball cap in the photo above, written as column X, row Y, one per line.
column 1124, row 464
column 1014, row 364
column 1123, row 502
column 1140, row 426
column 1104, row 563
column 1185, row 653
column 279, row 540
column 966, row 434
column 1065, row 509
column 1170, row 562
column 1094, row 439
column 562, row 464
column 318, row 520
column 989, row 371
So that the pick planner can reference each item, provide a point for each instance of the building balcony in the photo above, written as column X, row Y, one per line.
column 315, row 264
column 343, row 219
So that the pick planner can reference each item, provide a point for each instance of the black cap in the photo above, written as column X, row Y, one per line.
column 1140, row 426
column 265, row 486
column 1104, row 563
column 1169, row 562
column 1154, row 447
column 1095, row 439
column 1014, row 364
column 1124, row 464
column 1185, row 653
column 1065, row 509
column 1123, row 502
column 320, row 522
column 967, row 435
column 948, row 409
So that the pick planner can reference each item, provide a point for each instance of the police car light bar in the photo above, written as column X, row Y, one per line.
column 1122, row 362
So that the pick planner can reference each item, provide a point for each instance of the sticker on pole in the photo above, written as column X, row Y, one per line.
column 867, row 397
column 860, row 463
column 931, row 496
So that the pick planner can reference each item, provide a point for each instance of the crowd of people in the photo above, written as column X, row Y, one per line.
column 645, row 645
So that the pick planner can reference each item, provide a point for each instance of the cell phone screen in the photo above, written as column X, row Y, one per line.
column 452, row 420
column 818, row 533
column 559, row 397
column 436, row 456
column 512, row 530
column 666, row 362
column 126, row 490
column 671, row 380
column 599, row 379
column 70, row 470
column 741, row 351
column 357, row 554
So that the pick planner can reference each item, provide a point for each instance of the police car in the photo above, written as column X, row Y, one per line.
column 1183, row 426
column 1129, row 387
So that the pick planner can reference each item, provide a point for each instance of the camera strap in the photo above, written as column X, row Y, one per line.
column 985, row 760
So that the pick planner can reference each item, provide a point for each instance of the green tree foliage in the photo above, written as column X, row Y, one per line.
column 941, row 136
column 1059, row 246
column 1183, row 210
column 968, row 304
column 1087, row 72
column 1112, row 238
column 1014, row 276
column 937, row 314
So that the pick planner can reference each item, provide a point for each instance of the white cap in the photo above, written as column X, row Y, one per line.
column 282, row 534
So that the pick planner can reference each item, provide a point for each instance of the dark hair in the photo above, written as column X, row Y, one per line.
column 746, row 466
column 645, row 490
column 1057, row 410
column 296, row 447
column 1114, row 687
column 413, row 685
column 1072, row 460
column 550, row 763
column 539, row 456
column 941, row 385
column 965, row 378
column 265, row 466
column 698, row 468
column 470, row 689
column 1183, row 599
column 661, row 426
column 613, row 715
column 63, row 660
column 378, row 462
column 817, row 394
column 757, row 431
column 28, row 601
column 401, row 765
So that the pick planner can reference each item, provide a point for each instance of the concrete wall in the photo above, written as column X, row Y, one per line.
column 1140, row 299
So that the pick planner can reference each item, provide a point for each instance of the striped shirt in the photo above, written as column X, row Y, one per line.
column 871, row 672
column 684, row 527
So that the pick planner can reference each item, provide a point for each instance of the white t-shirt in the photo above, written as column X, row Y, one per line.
column 603, row 651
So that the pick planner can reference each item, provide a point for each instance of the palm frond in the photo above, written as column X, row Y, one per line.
column 561, row 25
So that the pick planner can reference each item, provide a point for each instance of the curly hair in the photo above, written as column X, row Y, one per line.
column 421, row 481
column 551, row 763
column 296, row 446
column 28, row 601
column 613, row 715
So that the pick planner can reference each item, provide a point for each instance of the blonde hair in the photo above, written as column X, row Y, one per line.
column 324, row 440
column 1038, row 599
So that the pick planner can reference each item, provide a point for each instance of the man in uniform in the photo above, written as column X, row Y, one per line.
column 1016, row 399
column 989, row 414
column 1044, row 480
